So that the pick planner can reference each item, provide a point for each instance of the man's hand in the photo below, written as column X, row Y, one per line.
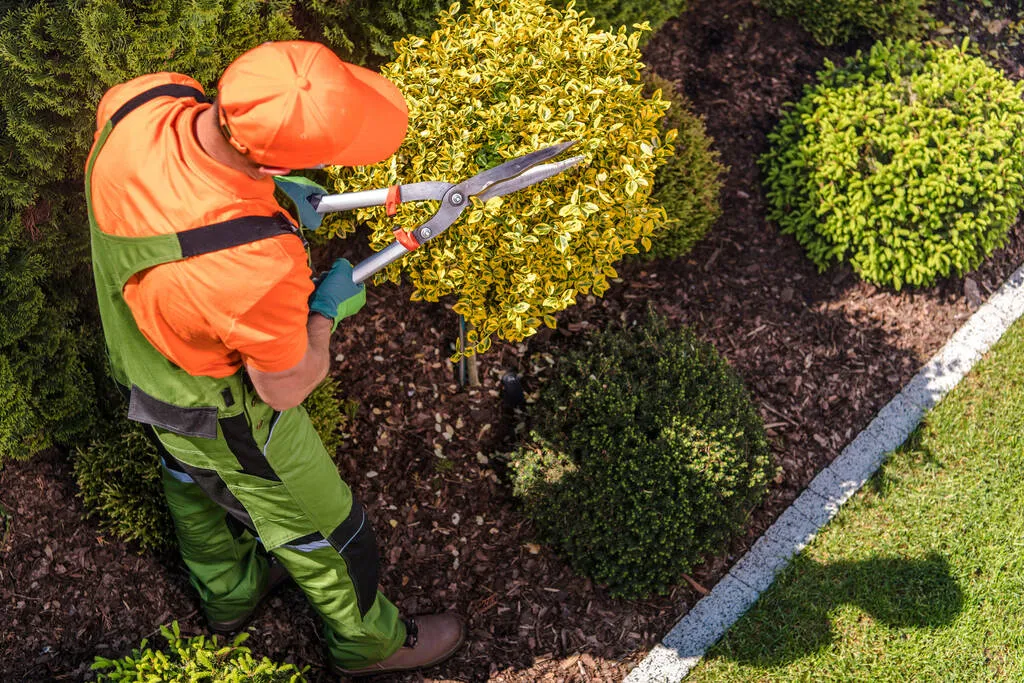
column 336, row 296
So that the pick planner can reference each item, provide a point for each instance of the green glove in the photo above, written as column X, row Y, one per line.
column 299, row 189
column 336, row 296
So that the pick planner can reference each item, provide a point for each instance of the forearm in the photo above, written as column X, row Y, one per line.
column 318, row 347
column 284, row 390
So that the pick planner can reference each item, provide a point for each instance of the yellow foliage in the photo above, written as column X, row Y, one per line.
column 494, row 82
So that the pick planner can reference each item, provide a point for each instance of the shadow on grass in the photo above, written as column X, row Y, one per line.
column 792, row 620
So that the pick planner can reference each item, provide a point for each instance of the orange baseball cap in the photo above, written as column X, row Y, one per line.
column 294, row 104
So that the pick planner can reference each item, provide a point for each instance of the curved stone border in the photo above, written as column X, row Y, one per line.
column 711, row 617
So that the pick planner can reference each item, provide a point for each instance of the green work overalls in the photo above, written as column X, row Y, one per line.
column 236, row 472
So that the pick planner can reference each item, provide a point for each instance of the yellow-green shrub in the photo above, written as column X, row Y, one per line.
column 494, row 82
column 199, row 658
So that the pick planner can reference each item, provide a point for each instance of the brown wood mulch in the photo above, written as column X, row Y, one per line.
column 821, row 354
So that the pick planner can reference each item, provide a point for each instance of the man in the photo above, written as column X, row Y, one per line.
column 215, row 330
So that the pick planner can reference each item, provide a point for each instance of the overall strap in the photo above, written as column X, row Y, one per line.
column 232, row 233
column 167, row 90
column 216, row 236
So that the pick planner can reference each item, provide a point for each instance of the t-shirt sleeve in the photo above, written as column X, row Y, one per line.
column 271, row 335
column 119, row 94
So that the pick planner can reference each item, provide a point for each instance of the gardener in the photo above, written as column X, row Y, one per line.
column 217, row 333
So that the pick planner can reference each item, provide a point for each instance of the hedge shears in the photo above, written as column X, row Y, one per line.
column 313, row 201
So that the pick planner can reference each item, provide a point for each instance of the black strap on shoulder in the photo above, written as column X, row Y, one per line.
column 216, row 236
column 232, row 233
column 168, row 90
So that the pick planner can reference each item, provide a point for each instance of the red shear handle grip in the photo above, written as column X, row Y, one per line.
column 406, row 239
column 393, row 200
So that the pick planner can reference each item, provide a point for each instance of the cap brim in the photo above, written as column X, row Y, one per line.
column 383, row 128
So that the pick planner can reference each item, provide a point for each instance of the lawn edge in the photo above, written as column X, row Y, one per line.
column 700, row 628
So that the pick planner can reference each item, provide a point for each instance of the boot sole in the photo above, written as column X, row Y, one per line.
column 365, row 673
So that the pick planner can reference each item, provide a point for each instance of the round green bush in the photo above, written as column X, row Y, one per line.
column 199, row 658
column 908, row 162
column 689, row 183
column 646, row 453
column 833, row 22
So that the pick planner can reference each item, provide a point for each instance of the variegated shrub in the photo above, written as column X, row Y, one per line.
column 495, row 81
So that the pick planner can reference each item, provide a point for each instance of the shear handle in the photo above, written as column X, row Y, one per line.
column 347, row 201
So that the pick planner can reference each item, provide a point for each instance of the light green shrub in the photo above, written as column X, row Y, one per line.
column 646, row 453
column 688, row 185
column 834, row 22
column 907, row 162
column 496, row 81
column 199, row 658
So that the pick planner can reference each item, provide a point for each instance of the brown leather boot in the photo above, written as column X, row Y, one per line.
column 430, row 639
column 277, row 575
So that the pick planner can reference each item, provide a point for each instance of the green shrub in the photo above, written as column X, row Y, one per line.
column 47, row 394
column 199, row 658
column 47, row 100
column 833, row 22
column 56, row 60
column 688, row 185
column 611, row 14
column 366, row 30
column 496, row 81
column 124, row 39
column 646, row 453
column 119, row 473
column 908, row 162
column 118, row 479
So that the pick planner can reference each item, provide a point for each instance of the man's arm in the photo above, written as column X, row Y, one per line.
column 289, row 388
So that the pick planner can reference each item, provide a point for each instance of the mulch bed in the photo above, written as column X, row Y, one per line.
column 821, row 353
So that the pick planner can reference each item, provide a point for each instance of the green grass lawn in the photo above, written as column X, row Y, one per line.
column 921, row 576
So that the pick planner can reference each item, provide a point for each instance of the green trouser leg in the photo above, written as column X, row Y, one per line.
column 353, row 642
column 224, row 566
column 272, row 473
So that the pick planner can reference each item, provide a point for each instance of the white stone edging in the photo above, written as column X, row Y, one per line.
column 684, row 646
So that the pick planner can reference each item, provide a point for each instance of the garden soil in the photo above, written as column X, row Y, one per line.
column 821, row 353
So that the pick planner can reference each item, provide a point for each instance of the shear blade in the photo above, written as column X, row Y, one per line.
column 512, row 168
column 529, row 177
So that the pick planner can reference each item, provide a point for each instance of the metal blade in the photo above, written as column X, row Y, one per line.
column 527, row 178
column 511, row 168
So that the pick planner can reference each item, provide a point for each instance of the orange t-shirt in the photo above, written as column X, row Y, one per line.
column 211, row 313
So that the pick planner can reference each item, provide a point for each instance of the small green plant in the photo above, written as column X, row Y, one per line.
column 198, row 658
column 834, row 22
column 907, row 162
column 496, row 81
column 646, row 453
column 119, row 483
column 688, row 185
column 330, row 413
